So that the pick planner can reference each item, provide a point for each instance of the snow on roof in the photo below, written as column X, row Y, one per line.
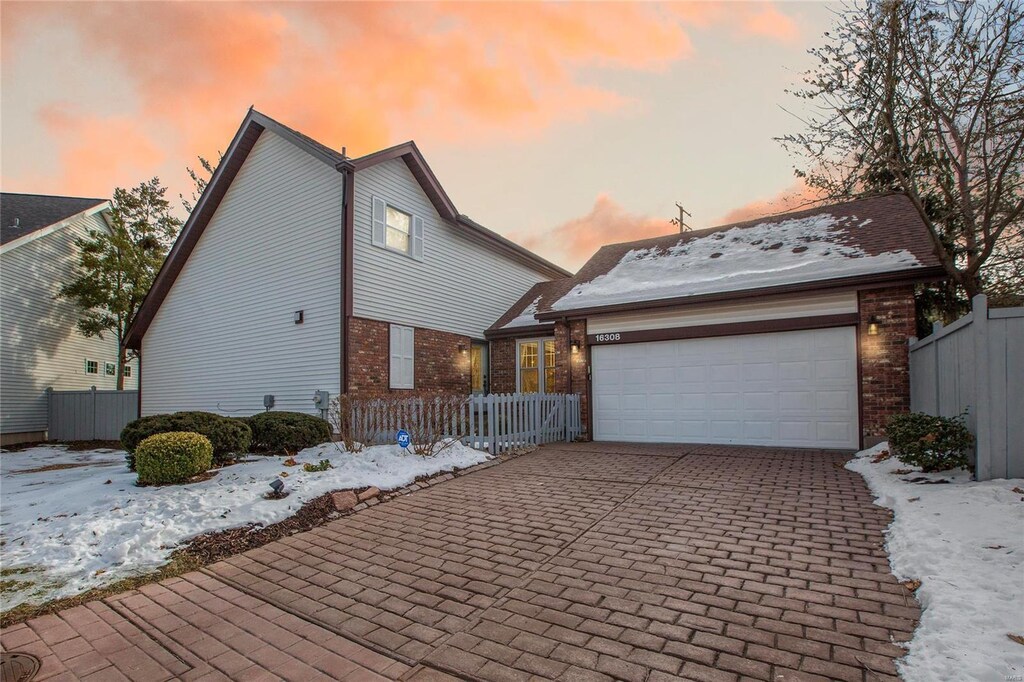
column 765, row 255
column 525, row 317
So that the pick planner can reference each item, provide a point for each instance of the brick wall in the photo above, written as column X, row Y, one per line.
column 885, row 358
column 439, row 365
column 503, row 366
column 579, row 382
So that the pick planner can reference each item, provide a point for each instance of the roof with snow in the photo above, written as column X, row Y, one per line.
column 22, row 214
column 874, row 238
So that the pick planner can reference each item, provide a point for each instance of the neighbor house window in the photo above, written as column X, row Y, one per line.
column 478, row 367
column 536, row 366
column 110, row 369
column 402, row 357
column 127, row 370
column 92, row 367
column 398, row 226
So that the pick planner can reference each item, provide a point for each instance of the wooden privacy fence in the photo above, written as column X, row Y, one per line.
column 89, row 414
column 976, row 364
column 495, row 422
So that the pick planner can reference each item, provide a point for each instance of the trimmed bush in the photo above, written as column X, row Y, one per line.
column 228, row 436
column 932, row 443
column 172, row 457
column 279, row 432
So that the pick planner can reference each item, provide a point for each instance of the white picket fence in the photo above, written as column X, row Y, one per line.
column 497, row 422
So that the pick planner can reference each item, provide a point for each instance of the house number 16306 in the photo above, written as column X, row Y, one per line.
column 609, row 337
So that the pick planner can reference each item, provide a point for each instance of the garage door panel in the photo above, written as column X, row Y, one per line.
column 789, row 388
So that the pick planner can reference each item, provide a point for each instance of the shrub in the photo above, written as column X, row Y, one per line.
column 228, row 436
column 172, row 457
column 324, row 465
column 932, row 443
column 287, row 431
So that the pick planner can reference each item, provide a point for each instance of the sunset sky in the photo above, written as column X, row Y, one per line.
column 563, row 126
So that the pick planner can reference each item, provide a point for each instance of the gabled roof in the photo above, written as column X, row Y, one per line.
column 872, row 239
column 251, row 128
column 23, row 214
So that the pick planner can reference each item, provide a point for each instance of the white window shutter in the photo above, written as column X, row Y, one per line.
column 377, row 221
column 401, row 354
column 395, row 367
column 410, row 352
column 417, row 237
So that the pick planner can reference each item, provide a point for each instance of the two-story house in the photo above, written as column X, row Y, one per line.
column 40, row 346
column 302, row 269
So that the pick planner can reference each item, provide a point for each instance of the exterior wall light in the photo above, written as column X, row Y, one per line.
column 575, row 345
column 873, row 325
column 462, row 348
column 299, row 316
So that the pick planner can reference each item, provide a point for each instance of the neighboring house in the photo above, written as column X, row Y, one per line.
column 40, row 345
column 791, row 330
column 301, row 269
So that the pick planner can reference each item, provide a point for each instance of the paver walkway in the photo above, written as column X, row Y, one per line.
column 578, row 562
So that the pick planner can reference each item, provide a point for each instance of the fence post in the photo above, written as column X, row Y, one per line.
column 983, row 469
column 92, row 432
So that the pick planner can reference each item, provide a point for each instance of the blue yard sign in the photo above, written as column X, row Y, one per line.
column 403, row 438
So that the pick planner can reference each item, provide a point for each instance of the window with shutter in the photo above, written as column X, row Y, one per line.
column 402, row 353
column 396, row 230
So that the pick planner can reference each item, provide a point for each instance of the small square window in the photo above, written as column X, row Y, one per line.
column 110, row 369
column 92, row 367
column 397, row 227
column 127, row 370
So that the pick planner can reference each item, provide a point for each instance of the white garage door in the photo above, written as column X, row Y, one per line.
column 785, row 388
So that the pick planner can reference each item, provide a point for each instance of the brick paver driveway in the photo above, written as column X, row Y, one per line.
column 587, row 561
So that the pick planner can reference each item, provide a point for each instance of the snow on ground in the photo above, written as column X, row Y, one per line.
column 767, row 254
column 70, row 529
column 965, row 542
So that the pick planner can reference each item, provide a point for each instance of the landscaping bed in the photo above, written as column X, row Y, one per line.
column 963, row 541
column 74, row 521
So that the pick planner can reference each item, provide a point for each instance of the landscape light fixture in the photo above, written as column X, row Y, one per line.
column 277, row 485
column 873, row 325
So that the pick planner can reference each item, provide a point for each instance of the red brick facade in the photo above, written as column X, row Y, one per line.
column 503, row 366
column 439, row 365
column 885, row 358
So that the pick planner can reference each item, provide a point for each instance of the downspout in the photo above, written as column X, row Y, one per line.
column 347, row 242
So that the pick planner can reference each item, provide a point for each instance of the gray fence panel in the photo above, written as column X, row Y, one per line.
column 90, row 415
column 976, row 365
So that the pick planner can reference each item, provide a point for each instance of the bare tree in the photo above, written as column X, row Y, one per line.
column 927, row 98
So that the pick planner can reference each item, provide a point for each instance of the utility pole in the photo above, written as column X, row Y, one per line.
column 681, row 220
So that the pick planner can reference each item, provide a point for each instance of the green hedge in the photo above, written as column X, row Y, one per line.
column 172, row 457
column 932, row 443
column 228, row 436
column 280, row 432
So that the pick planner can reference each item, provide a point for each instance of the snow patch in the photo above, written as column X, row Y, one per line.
column 765, row 255
column 525, row 318
column 965, row 542
column 67, row 524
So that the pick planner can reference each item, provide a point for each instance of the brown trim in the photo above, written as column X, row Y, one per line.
column 138, row 387
column 727, row 329
column 513, row 250
column 347, row 276
column 844, row 283
column 519, row 332
column 410, row 153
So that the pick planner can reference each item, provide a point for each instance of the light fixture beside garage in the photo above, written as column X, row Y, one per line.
column 576, row 345
column 873, row 325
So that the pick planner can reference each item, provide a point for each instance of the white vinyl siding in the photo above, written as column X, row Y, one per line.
column 225, row 334
column 402, row 351
column 40, row 346
column 453, row 282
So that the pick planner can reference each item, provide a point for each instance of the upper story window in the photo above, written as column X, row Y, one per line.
column 92, row 367
column 110, row 369
column 396, row 236
column 396, row 229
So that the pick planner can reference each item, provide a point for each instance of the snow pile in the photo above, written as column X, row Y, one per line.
column 965, row 542
column 526, row 317
column 81, row 527
column 765, row 255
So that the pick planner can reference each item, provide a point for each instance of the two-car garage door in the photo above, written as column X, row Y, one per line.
column 795, row 388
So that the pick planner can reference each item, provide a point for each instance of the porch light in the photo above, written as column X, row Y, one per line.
column 576, row 345
column 873, row 325
column 462, row 348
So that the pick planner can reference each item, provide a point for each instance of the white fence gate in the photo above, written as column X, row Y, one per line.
column 976, row 365
column 495, row 422
column 89, row 414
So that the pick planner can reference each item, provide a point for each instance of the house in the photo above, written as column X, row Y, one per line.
column 791, row 330
column 302, row 270
column 40, row 346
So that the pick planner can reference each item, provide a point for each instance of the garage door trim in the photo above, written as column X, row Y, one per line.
column 728, row 329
